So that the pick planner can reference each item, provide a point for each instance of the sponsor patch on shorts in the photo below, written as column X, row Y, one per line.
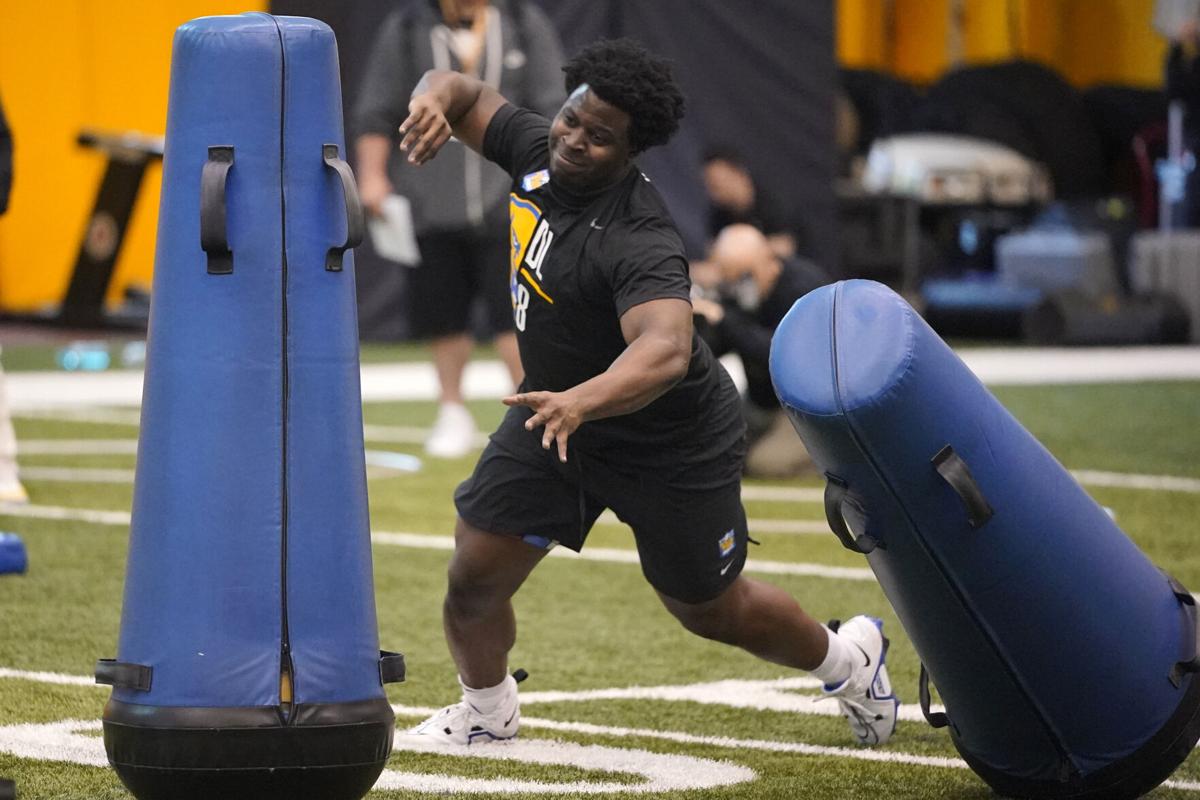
column 726, row 543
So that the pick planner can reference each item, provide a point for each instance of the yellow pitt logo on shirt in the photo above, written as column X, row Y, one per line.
column 523, row 218
column 530, row 238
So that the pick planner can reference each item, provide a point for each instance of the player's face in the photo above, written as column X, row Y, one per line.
column 589, row 142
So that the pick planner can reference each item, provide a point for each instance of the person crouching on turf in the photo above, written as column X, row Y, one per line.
column 600, row 294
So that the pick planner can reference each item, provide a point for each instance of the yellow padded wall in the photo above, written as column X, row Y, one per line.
column 921, row 30
column 1087, row 41
column 70, row 65
column 1111, row 41
column 987, row 30
column 861, row 27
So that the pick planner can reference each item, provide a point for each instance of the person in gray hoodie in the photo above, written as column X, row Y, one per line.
column 458, row 204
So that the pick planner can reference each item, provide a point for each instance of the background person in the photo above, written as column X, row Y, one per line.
column 615, row 370
column 757, row 288
column 1183, row 86
column 11, row 490
column 458, row 204
column 734, row 197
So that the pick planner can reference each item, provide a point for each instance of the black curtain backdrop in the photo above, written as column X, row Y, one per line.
column 759, row 77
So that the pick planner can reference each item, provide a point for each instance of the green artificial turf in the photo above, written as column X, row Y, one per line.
column 583, row 625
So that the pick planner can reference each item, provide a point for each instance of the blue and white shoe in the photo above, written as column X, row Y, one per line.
column 461, row 724
column 866, row 698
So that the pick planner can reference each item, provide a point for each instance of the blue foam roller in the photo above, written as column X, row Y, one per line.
column 248, row 663
column 1064, row 657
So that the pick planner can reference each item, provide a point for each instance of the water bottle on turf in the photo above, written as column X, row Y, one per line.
column 84, row 356
column 12, row 554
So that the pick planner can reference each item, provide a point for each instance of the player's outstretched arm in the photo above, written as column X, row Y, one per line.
column 659, row 335
column 444, row 104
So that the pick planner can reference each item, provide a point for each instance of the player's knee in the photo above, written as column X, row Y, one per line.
column 485, row 571
column 709, row 620
column 469, row 590
column 476, row 585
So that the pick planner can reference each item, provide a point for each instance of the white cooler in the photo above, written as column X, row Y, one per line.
column 1058, row 260
column 1168, row 263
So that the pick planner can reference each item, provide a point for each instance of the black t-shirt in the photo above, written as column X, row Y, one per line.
column 577, row 264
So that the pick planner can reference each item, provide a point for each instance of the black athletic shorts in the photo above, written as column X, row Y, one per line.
column 692, row 543
column 456, row 268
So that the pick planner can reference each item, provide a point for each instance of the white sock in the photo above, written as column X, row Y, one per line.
column 485, row 701
column 838, row 663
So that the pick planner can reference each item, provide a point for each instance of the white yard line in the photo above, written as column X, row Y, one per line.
column 1122, row 480
column 862, row 754
column 32, row 391
column 616, row 556
column 783, row 526
column 661, row 772
column 752, row 492
column 436, row 542
column 118, row 518
column 759, row 695
column 59, row 678
column 801, row 527
column 1046, row 366
column 97, row 416
column 77, row 475
column 65, row 447
column 782, row 494
column 407, row 434
column 36, row 391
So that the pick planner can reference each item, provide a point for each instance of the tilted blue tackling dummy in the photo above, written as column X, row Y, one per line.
column 248, row 664
column 1065, row 659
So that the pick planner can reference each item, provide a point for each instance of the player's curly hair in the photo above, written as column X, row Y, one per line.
column 623, row 73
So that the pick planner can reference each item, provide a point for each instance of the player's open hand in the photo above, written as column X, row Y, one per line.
column 425, row 130
column 559, row 412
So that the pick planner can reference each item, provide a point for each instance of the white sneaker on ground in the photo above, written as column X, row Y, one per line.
column 453, row 434
column 13, row 493
column 461, row 724
column 866, row 697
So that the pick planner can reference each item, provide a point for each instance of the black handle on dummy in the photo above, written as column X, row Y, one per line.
column 835, row 495
column 935, row 719
column 214, row 239
column 355, row 224
column 1191, row 634
column 110, row 672
column 955, row 472
column 392, row 668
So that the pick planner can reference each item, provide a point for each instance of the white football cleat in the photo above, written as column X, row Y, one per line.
column 453, row 434
column 866, row 698
column 461, row 724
